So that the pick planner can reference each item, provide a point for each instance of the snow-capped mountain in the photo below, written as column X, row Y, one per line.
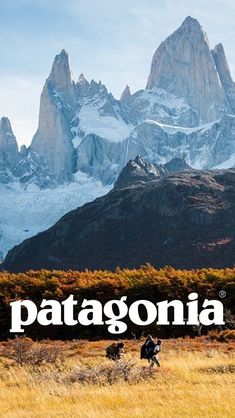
column 72, row 111
column 86, row 136
column 185, row 110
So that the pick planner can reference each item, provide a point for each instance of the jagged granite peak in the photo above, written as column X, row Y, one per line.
column 60, row 74
column 192, row 24
column 5, row 125
column 185, row 220
column 184, row 66
column 60, row 81
column 53, row 139
column 9, row 154
column 83, row 86
column 33, row 169
column 141, row 170
column 69, row 114
column 82, row 79
column 23, row 167
column 222, row 65
column 126, row 94
column 224, row 73
column 88, row 90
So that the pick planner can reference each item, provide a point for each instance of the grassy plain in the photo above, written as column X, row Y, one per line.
column 196, row 379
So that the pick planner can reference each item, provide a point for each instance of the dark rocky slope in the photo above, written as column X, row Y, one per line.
column 186, row 220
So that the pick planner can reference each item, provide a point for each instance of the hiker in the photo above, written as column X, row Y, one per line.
column 150, row 350
column 154, row 359
column 115, row 351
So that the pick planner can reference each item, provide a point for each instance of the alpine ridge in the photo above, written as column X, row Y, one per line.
column 85, row 136
column 189, row 91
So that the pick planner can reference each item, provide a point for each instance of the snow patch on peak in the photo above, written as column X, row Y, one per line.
column 114, row 129
column 172, row 129
column 161, row 96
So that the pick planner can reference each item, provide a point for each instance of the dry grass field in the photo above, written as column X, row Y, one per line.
column 196, row 379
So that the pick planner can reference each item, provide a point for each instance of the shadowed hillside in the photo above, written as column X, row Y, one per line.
column 186, row 220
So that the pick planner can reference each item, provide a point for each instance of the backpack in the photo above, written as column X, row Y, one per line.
column 147, row 350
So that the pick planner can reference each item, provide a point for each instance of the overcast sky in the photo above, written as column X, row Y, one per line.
column 108, row 40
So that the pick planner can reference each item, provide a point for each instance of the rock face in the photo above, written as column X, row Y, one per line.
column 140, row 170
column 53, row 139
column 24, row 166
column 185, row 220
column 205, row 147
column 137, row 171
column 161, row 106
column 33, row 169
column 177, row 165
column 60, row 77
column 126, row 94
column 9, row 155
column 224, row 74
column 184, row 66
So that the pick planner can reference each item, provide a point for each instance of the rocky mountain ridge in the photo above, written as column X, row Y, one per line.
column 140, row 170
column 183, row 219
column 185, row 111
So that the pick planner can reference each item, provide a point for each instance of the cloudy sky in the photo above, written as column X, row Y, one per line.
column 108, row 40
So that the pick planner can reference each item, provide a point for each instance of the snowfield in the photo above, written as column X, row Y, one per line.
column 24, row 213
column 111, row 128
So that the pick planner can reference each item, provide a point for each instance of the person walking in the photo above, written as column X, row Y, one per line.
column 154, row 358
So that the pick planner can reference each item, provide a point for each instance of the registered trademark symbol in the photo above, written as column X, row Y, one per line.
column 222, row 294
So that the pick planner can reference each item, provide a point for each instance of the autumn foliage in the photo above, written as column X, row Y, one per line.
column 145, row 283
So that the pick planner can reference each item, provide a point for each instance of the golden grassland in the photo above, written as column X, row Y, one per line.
column 196, row 379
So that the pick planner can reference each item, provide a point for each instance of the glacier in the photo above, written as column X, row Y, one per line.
column 25, row 212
